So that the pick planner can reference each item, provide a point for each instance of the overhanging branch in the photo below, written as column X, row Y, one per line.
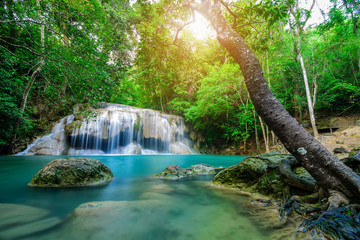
column 231, row 12
column 180, row 29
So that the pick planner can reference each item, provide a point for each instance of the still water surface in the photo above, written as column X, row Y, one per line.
column 136, row 206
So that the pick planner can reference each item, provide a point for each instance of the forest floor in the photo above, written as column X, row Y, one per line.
column 346, row 139
column 334, row 132
column 345, row 135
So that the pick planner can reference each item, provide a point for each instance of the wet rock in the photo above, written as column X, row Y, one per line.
column 340, row 150
column 132, row 148
column 54, row 144
column 258, row 174
column 162, row 188
column 18, row 221
column 202, row 169
column 116, row 220
column 179, row 148
column 176, row 172
column 72, row 172
column 173, row 172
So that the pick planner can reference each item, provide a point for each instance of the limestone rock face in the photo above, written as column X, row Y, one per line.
column 116, row 126
column 132, row 148
column 179, row 148
column 72, row 172
column 51, row 146
column 114, row 129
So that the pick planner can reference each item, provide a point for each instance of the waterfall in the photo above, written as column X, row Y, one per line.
column 52, row 144
column 120, row 129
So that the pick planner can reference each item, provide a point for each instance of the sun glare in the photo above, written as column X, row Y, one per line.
column 201, row 28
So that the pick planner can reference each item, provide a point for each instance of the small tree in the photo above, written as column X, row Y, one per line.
column 326, row 169
column 297, row 27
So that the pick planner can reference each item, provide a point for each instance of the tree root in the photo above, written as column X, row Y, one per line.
column 339, row 223
column 295, row 205
column 292, row 179
column 337, row 199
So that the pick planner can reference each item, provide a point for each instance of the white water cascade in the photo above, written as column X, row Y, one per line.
column 118, row 129
column 52, row 144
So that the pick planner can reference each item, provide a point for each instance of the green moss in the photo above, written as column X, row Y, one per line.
column 69, row 128
column 271, row 184
column 137, row 123
column 86, row 115
column 72, row 172
column 259, row 174
column 354, row 151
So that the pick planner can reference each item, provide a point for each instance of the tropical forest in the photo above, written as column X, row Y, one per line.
column 179, row 119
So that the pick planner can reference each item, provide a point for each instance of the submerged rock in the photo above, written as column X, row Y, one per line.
column 176, row 172
column 18, row 221
column 72, row 172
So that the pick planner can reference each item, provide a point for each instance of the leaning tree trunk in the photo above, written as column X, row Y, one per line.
column 326, row 169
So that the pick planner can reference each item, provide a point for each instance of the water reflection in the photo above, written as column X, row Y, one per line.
column 133, row 206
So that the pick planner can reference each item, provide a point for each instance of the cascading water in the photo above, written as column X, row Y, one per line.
column 120, row 129
column 52, row 144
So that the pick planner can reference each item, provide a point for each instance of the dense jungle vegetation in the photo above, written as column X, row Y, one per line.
column 56, row 54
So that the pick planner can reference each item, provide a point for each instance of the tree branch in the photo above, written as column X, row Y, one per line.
column 231, row 12
column 180, row 29
column 22, row 46
column 30, row 21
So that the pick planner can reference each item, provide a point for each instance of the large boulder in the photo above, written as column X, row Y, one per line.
column 72, row 172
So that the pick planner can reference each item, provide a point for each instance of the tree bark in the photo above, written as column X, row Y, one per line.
column 324, row 167
column 266, row 140
column 311, row 104
column 256, row 134
column 308, row 95
column 297, row 44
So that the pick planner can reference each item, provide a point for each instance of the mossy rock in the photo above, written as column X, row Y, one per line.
column 354, row 151
column 256, row 174
column 202, row 169
column 72, row 172
column 173, row 172
column 251, row 168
